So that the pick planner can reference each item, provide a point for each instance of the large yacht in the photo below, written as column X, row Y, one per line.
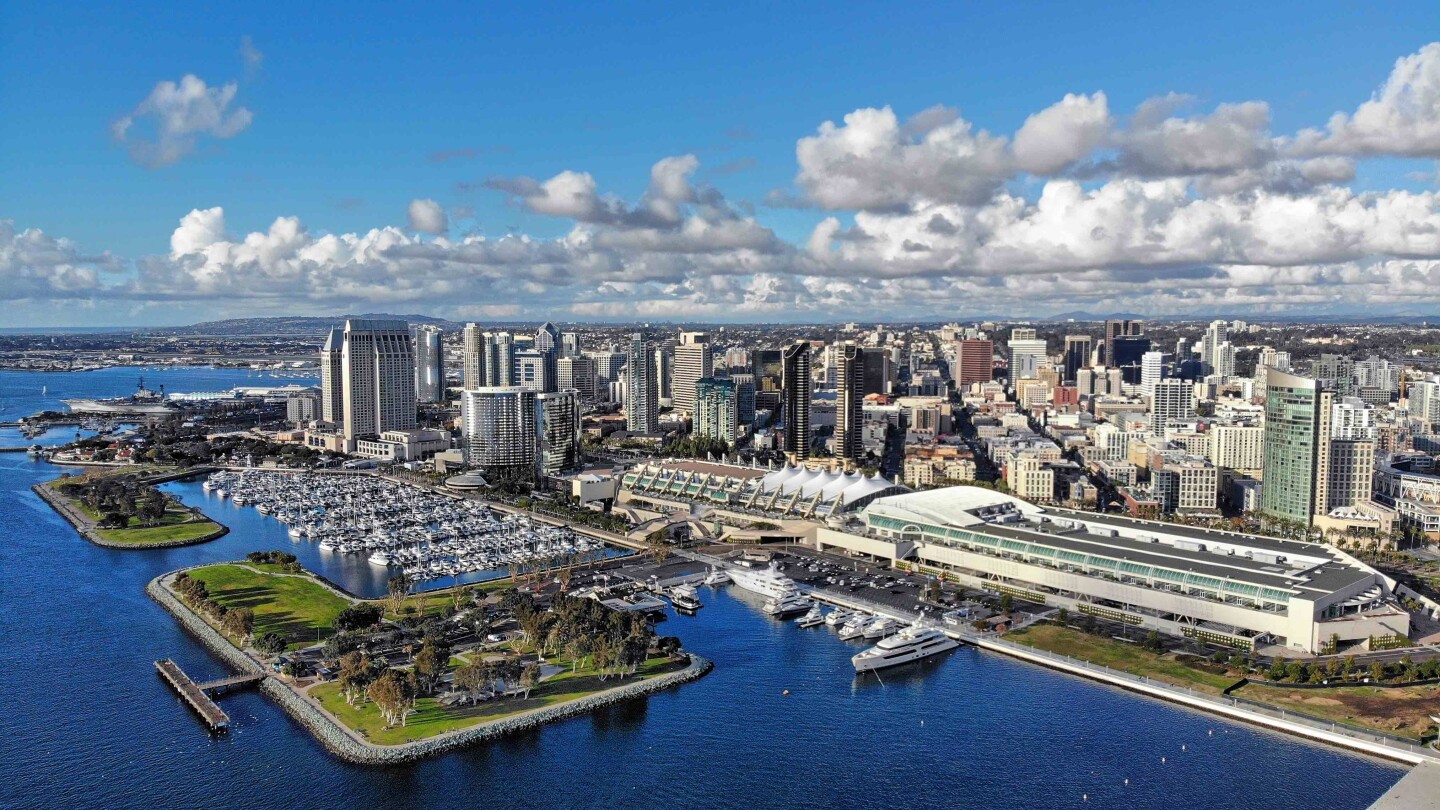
column 767, row 581
column 910, row 644
column 787, row 604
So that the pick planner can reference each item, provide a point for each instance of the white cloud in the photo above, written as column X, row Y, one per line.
column 1402, row 118
column 1234, row 138
column 250, row 55
column 168, row 124
column 1063, row 133
column 426, row 216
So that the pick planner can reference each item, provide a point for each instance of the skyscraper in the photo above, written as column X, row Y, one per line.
column 795, row 398
column 577, row 372
column 717, row 412
column 1296, row 446
column 879, row 370
column 499, row 427
column 974, row 361
column 378, row 378
column 1027, row 354
column 1077, row 355
column 766, row 365
column 663, row 373
column 499, row 359
column 1127, row 353
column 849, row 400
column 1154, row 366
column 535, row 371
column 332, row 377
column 1216, row 334
column 744, row 398
column 693, row 362
column 429, row 363
column 569, row 344
column 557, row 432
column 1174, row 399
column 1117, row 329
column 473, row 357
column 642, row 394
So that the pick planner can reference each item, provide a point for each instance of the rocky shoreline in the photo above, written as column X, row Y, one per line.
column 343, row 743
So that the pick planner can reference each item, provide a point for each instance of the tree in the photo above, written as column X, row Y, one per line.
column 393, row 693
column 431, row 662
column 529, row 677
column 1063, row 616
column 239, row 623
column 472, row 679
column 358, row 617
column 1006, row 603
column 397, row 590
column 356, row 674
column 270, row 644
column 1377, row 671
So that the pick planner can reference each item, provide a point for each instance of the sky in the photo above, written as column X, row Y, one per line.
column 164, row 164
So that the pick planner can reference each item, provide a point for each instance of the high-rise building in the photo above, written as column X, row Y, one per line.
column 570, row 344
column 1174, row 399
column 577, row 372
column 332, row 377
column 1117, row 329
column 535, row 371
column 1217, row 333
column 1424, row 401
column 1154, row 366
column 1237, row 447
column 547, row 338
column 879, row 370
column 557, row 432
column 642, row 393
column 1127, row 353
column 429, row 363
column 1296, row 442
column 499, row 427
column 974, row 361
column 849, row 400
column 717, row 412
column 795, row 398
column 1027, row 354
column 1077, row 355
column 693, row 362
column 377, row 378
column 664, row 373
column 1352, row 419
column 499, row 360
column 473, row 360
column 1335, row 373
column 744, row 398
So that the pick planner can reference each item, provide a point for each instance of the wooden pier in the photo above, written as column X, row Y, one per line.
column 198, row 695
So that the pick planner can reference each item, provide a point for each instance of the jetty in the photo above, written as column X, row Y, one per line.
column 200, row 695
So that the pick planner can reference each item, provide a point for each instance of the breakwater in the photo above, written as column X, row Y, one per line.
column 86, row 528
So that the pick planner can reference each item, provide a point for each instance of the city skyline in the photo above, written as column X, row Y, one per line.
column 934, row 188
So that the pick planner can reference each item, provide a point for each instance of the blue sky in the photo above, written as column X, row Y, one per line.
column 353, row 105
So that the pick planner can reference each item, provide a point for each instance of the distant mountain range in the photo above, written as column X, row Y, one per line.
column 290, row 325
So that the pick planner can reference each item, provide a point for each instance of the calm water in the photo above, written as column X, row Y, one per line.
column 84, row 721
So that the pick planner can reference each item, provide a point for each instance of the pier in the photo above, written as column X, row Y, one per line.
column 198, row 695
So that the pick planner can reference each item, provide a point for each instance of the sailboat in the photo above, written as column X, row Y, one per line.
column 44, row 389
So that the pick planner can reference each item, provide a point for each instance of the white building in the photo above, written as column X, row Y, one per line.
column 693, row 363
column 429, row 363
column 1237, row 447
column 499, row 427
column 377, row 370
column 1173, row 399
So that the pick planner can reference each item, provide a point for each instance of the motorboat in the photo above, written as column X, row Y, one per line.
column 812, row 618
column 380, row 558
column 911, row 644
column 717, row 576
column 208, row 486
column 685, row 598
column 838, row 617
column 881, row 627
column 787, row 604
column 855, row 627
column 767, row 581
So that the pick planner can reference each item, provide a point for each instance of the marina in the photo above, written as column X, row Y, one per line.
column 406, row 529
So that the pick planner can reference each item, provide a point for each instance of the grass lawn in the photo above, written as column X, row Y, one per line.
column 430, row 718
column 1404, row 710
column 433, row 603
column 176, row 525
column 1130, row 658
column 294, row 606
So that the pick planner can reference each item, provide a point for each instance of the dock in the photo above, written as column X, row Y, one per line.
column 198, row 695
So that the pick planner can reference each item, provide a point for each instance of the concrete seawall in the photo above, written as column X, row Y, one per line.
column 347, row 745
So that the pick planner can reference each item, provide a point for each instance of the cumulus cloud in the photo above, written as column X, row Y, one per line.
column 170, row 122
column 426, row 216
column 1402, row 118
column 1063, row 133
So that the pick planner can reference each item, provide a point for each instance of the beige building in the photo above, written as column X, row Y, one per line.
column 1237, row 447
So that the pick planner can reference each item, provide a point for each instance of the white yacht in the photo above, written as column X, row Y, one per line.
column 786, row 604
column 208, row 485
column 812, row 618
column 717, row 576
column 295, row 532
column 838, row 617
column 855, row 627
column 686, row 598
column 766, row 581
column 881, row 627
column 381, row 557
column 910, row 644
